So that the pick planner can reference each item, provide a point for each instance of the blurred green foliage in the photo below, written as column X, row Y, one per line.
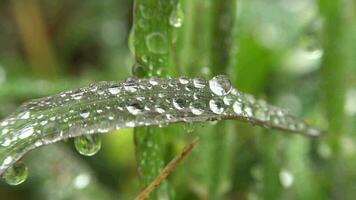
column 296, row 54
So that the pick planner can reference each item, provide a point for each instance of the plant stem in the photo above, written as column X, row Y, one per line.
column 333, row 73
column 152, row 42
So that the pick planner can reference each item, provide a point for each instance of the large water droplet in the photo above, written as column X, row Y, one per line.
column 216, row 106
column 88, row 145
column 197, row 108
column 157, row 43
column 177, row 17
column 16, row 174
column 220, row 85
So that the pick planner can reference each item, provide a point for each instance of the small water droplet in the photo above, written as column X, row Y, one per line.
column 216, row 106
column 24, row 115
column 130, row 85
column 88, row 145
column 139, row 70
column 85, row 114
column 177, row 17
column 26, row 132
column 260, row 114
column 237, row 107
column 248, row 111
column 154, row 81
column 183, row 80
column 157, row 43
column 197, row 108
column 16, row 174
column 114, row 90
column 199, row 83
column 135, row 108
column 179, row 103
column 220, row 85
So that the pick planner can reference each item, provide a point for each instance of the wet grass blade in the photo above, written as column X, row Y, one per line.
column 105, row 106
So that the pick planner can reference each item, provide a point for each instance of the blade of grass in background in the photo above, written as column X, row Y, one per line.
column 153, row 45
column 333, row 74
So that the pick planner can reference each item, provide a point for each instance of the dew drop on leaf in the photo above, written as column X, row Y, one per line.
column 177, row 17
column 135, row 108
column 260, row 114
column 139, row 70
column 220, row 85
column 157, row 43
column 114, row 90
column 179, row 103
column 197, row 108
column 199, row 83
column 237, row 107
column 216, row 106
column 88, row 145
column 84, row 114
column 16, row 174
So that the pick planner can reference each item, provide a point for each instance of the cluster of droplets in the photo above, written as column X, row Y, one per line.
column 107, row 106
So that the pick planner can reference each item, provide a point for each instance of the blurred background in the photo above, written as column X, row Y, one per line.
column 297, row 54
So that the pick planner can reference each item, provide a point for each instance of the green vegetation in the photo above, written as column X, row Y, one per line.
column 167, row 60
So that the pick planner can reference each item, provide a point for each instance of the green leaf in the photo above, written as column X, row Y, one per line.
column 106, row 106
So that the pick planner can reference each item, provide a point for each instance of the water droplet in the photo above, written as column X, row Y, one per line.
column 199, row 83
column 286, row 178
column 248, row 111
column 227, row 100
column 85, row 114
column 26, row 132
column 16, row 174
column 197, row 108
column 179, row 103
column 237, row 107
column 183, row 80
column 160, row 109
column 157, row 43
column 216, row 106
column 260, row 114
column 24, row 115
column 154, row 81
column 177, row 17
column 220, row 85
column 88, row 145
column 135, row 108
column 114, row 90
column 139, row 70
